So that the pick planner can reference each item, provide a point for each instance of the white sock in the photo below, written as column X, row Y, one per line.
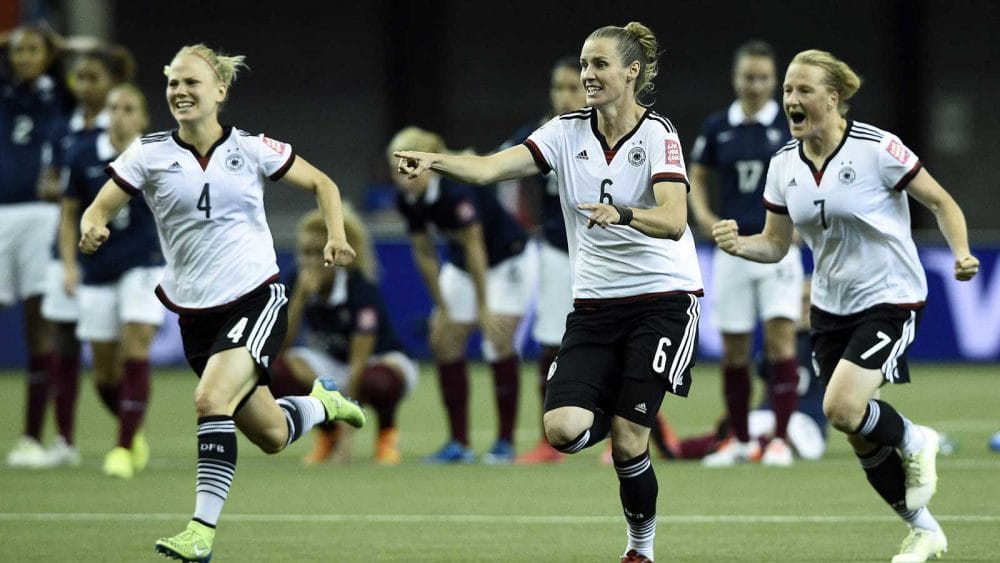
column 913, row 437
column 301, row 413
column 924, row 520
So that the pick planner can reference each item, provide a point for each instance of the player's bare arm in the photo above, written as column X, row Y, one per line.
column 925, row 189
column 425, row 256
column 306, row 176
column 667, row 220
column 68, row 241
column 477, row 262
column 508, row 164
column 94, row 223
column 701, row 211
column 769, row 246
column 362, row 348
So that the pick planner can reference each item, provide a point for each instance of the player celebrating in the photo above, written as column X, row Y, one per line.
column 486, row 279
column 204, row 185
column 844, row 185
column 633, row 332
column 737, row 144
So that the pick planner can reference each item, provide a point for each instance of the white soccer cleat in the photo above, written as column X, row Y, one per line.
column 733, row 452
column 28, row 453
column 63, row 453
column 921, row 545
column 921, row 470
column 777, row 454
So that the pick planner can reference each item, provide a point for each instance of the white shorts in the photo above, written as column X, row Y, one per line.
column 328, row 367
column 555, row 295
column 803, row 433
column 508, row 287
column 27, row 233
column 57, row 305
column 105, row 308
column 746, row 291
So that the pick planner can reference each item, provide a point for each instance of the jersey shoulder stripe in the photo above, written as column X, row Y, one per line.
column 857, row 127
column 663, row 121
column 790, row 145
column 865, row 137
column 243, row 133
column 157, row 137
column 582, row 113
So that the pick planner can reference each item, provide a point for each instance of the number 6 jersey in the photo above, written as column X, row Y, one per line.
column 855, row 216
column 209, row 212
column 618, row 261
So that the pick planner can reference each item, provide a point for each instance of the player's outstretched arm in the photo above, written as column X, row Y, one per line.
column 94, row 223
column 769, row 246
column 508, row 164
column 306, row 176
column 925, row 189
column 67, row 242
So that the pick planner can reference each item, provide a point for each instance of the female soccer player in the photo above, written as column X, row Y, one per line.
column 93, row 74
column 486, row 279
column 844, row 185
column 204, row 184
column 736, row 144
column 348, row 336
column 119, row 313
column 633, row 332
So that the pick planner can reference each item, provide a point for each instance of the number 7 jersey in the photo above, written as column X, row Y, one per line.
column 854, row 214
column 209, row 212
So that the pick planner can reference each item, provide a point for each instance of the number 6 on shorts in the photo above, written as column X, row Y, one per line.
column 660, row 357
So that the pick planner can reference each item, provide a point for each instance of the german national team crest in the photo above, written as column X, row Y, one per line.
column 234, row 162
column 637, row 156
column 846, row 175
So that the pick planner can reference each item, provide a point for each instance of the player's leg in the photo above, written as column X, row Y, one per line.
column 383, row 385
column 505, row 365
column 303, row 366
column 638, row 488
column 62, row 312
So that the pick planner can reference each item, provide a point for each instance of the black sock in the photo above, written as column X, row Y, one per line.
column 884, row 469
column 597, row 432
column 638, row 490
column 216, row 466
column 882, row 424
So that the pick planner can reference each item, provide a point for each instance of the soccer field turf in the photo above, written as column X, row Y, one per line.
column 279, row 510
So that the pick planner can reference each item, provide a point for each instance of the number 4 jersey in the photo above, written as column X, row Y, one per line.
column 618, row 261
column 855, row 216
column 209, row 212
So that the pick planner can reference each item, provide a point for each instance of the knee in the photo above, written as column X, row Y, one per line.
column 207, row 403
column 842, row 414
column 444, row 345
column 561, row 430
column 270, row 440
column 628, row 442
column 381, row 386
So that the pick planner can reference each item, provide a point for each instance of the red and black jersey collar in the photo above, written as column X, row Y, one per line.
column 226, row 131
column 623, row 140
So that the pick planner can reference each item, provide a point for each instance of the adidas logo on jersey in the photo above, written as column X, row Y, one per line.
column 792, row 183
column 582, row 155
column 175, row 166
column 641, row 407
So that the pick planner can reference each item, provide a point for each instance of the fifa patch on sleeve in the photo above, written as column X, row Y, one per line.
column 465, row 212
column 673, row 152
column 367, row 319
column 898, row 151
column 276, row 146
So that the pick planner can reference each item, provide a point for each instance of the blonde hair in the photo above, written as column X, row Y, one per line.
column 636, row 42
column 838, row 76
column 357, row 236
column 416, row 139
column 225, row 67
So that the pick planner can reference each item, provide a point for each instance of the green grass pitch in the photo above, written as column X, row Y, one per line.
column 280, row 511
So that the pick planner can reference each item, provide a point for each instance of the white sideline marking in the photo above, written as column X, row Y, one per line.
column 477, row 518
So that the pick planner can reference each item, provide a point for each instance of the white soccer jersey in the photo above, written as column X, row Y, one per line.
column 209, row 212
column 855, row 217
column 618, row 261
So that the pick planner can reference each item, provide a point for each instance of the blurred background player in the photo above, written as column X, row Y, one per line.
column 555, row 279
column 868, row 286
column 119, row 312
column 734, row 148
column 348, row 338
column 33, row 109
column 93, row 74
column 633, row 331
column 486, row 278
column 205, row 185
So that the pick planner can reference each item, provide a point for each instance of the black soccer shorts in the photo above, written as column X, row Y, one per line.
column 623, row 358
column 876, row 338
column 257, row 321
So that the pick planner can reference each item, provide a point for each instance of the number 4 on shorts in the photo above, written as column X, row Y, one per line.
column 237, row 332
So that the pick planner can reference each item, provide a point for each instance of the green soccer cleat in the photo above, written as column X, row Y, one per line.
column 921, row 470
column 338, row 407
column 921, row 545
column 118, row 463
column 193, row 545
column 140, row 451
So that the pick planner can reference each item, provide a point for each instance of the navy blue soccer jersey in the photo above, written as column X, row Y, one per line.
column 31, row 117
column 133, row 242
column 553, row 225
column 738, row 149
column 451, row 206
column 352, row 307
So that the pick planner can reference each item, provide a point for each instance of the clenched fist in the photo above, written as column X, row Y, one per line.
column 727, row 236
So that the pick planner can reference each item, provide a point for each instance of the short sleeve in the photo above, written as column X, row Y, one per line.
column 462, row 207
column 703, row 152
column 415, row 221
column 73, row 187
column 129, row 170
column 774, row 194
column 275, row 157
column 364, row 301
column 666, row 159
column 544, row 144
column 897, row 165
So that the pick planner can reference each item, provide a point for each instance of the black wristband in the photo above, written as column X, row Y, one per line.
column 624, row 215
